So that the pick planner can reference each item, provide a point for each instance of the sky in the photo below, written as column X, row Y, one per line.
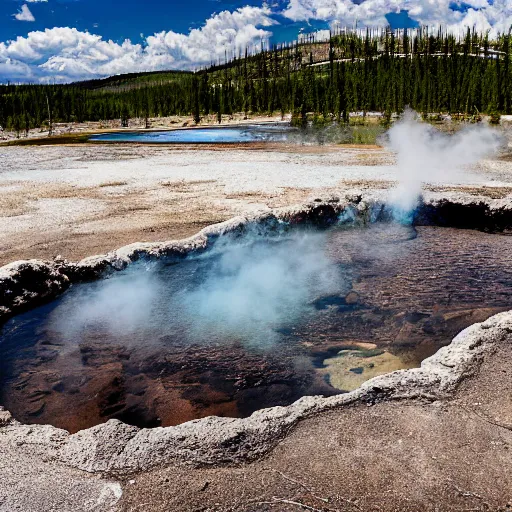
column 46, row 41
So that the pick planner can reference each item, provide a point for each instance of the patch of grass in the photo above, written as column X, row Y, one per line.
column 365, row 134
column 13, row 205
column 384, row 184
column 248, row 195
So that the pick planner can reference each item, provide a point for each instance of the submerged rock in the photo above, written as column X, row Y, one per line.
column 115, row 447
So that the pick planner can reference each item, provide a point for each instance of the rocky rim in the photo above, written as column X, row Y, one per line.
column 117, row 448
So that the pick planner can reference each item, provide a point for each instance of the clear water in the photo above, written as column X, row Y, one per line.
column 250, row 324
column 217, row 135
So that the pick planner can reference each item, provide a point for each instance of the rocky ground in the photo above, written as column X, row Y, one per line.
column 82, row 200
column 431, row 450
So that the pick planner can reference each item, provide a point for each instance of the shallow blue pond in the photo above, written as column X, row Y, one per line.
column 216, row 135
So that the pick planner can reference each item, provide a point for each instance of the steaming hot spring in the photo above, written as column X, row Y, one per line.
column 268, row 316
column 251, row 323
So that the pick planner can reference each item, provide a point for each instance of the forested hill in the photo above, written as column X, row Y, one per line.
column 372, row 71
column 130, row 80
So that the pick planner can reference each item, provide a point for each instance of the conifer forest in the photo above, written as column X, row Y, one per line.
column 364, row 71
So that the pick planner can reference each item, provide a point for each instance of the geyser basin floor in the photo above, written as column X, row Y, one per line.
column 179, row 342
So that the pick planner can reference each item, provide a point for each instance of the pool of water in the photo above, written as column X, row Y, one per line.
column 216, row 135
column 251, row 324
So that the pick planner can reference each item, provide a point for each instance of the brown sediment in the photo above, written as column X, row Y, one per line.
column 498, row 192
column 368, row 184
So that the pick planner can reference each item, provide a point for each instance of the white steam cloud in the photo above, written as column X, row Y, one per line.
column 426, row 155
column 245, row 294
column 254, row 290
column 122, row 306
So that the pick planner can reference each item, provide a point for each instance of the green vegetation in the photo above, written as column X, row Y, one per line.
column 376, row 71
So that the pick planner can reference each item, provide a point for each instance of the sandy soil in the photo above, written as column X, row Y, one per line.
column 80, row 200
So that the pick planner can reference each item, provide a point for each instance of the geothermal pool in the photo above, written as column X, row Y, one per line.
column 217, row 135
column 253, row 323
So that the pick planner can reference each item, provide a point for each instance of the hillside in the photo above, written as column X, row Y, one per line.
column 370, row 71
column 126, row 81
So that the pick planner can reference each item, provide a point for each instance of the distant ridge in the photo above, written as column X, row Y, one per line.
column 121, row 79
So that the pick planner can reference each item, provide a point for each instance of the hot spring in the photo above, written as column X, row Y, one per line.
column 253, row 323
column 213, row 135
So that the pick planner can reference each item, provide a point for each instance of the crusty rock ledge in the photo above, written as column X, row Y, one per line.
column 117, row 448
column 27, row 284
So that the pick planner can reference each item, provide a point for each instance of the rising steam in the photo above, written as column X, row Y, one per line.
column 244, row 292
column 426, row 155
column 254, row 290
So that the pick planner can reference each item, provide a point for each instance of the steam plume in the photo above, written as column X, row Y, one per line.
column 255, row 289
column 243, row 291
column 425, row 154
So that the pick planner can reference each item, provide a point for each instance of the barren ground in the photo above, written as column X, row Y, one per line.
column 81, row 200
column 453, row 455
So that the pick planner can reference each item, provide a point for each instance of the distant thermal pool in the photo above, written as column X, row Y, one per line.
column 215, row 135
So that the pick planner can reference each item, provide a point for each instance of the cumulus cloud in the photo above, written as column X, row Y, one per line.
column 24, row 14
column 67, row 54
column 492, row 15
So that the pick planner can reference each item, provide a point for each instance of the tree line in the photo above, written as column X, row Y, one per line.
column 381, row 71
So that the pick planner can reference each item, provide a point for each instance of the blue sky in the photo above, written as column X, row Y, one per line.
column 131, row 19
column 115, row 19
column 66, row 40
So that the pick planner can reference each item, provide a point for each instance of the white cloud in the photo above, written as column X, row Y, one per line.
column 35, row 1
column 483, row 14
column 226, row 31
column 24, row 14
column 67, row 54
